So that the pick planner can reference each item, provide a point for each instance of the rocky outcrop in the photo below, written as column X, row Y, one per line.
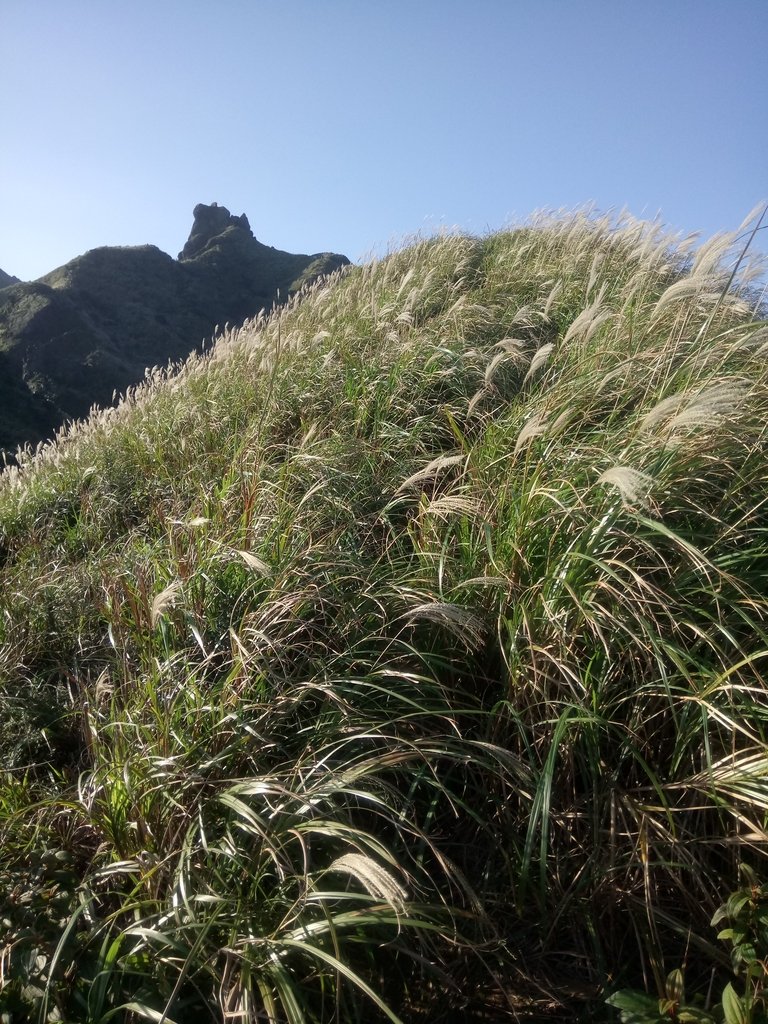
column 210, row 222
column 91, row 327
column 7, row 279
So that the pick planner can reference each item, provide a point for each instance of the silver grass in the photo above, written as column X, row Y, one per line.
column 707, row 408
column 633, row 485
column 554, row 294
column 757, row 339
column 453, row 504
column 515, row 348
column 375, row 879
column 523, row 317
column 432, row 468
column 588, row 320
column 533, row 427
column 476, row 399
column 711, row 254
column 539, row 361
column 193, row 523
column 752, row 216
column 104, row 687
column 465, row 625
column 560, row 422
column 499, row 359
column 406, row 279
column 164, row 600
column 597, row 263
column 483, row 581
column 662, row 411
column 254, row 562
column 677, row 292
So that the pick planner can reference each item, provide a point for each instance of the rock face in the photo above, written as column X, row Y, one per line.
column 75, row 336
column 210, row 221
column 7, row 279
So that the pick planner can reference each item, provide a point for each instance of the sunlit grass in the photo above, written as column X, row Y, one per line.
column 409, row 644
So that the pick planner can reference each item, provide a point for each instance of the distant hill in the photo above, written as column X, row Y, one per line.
column 75, row 336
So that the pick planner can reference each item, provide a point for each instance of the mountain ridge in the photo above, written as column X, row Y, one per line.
column 91, row 327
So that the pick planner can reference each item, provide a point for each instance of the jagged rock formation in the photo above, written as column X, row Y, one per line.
column 75, row 336
column 210, row 221
column 7, row 279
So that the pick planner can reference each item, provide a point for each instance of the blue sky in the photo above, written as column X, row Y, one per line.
column 349, row 124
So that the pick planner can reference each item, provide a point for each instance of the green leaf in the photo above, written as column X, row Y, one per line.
column 342, row 968
column 636, row 1007
column 749, row 875
column 675, row 986
column 733, row 1007
column 737, row 902
column 690, row 1016
column 719, row 915
column 744, row 953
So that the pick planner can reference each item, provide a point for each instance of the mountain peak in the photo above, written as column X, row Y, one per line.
column 7, row 279
column 92, row 326
column 210, row 222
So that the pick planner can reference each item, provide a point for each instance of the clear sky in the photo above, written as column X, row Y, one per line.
column 349, row 124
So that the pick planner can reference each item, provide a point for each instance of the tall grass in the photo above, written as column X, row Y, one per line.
column 407, row 646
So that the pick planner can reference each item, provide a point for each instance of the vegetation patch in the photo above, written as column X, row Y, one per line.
column 403, row 657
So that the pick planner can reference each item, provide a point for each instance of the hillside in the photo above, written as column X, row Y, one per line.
column 90, row 328
column 402, row 657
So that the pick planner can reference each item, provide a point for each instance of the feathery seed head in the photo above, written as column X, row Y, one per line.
column 633, row 485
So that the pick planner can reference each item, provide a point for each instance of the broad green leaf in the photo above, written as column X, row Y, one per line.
column 737, row 902
column 733, row 1007
column 744, row 953
column 636, row 1007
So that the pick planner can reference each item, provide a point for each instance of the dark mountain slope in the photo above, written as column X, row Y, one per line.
column 91, row 327
column 6, row 279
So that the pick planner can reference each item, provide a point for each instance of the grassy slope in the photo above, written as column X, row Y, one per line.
column 444, row 585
